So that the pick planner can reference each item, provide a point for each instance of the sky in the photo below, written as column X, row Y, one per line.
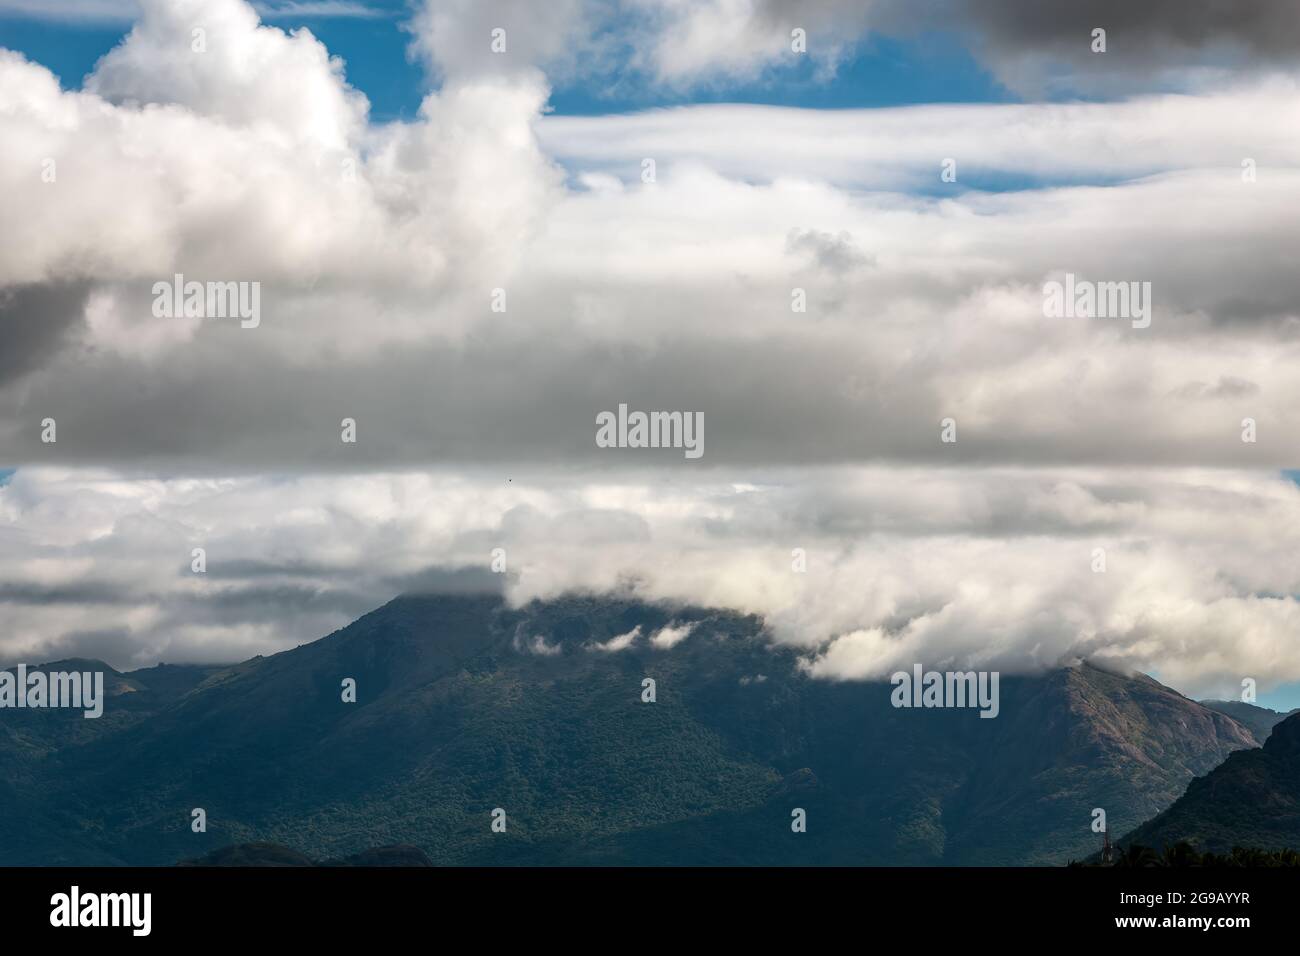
column 838, row 255
column 373, row 39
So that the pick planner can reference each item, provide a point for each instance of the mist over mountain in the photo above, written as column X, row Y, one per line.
column 465, row 705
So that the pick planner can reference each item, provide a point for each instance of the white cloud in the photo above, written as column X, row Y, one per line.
column 619, row 643
column 687, row 300
column 970, row 568
column 903, row 147
column 687, row 42
column 212, row 57
column 669, row 637
column 537, row 645
column 472, row 39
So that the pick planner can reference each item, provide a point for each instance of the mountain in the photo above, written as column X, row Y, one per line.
column 35, row 743
column 465, row 705
column 1251, row 800
column 1260, row 721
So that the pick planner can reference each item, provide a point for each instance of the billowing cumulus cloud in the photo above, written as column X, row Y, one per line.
column 682, row 42
column 382, row 249
column 461, row 39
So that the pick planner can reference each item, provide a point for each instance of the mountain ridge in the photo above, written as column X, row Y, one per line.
column 465, row 704
column 1250, row 800
column 1259, row 720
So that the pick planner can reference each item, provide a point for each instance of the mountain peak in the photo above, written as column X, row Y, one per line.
column 464, row 703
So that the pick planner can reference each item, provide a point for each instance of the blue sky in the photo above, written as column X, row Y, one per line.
column 880, row 71
column 1284, row 698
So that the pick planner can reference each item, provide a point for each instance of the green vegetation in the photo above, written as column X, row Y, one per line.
column 456, row 716
column 1183, row 854
column 1252, row 799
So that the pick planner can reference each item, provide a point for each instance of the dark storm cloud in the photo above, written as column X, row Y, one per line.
column 435, row 580
column 34, row 322
column 1034, row 46
column 285, row 611
column 1268, row 28
column 114, row 646
column 780, row 399
column 251, row 603
column 81, row 593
